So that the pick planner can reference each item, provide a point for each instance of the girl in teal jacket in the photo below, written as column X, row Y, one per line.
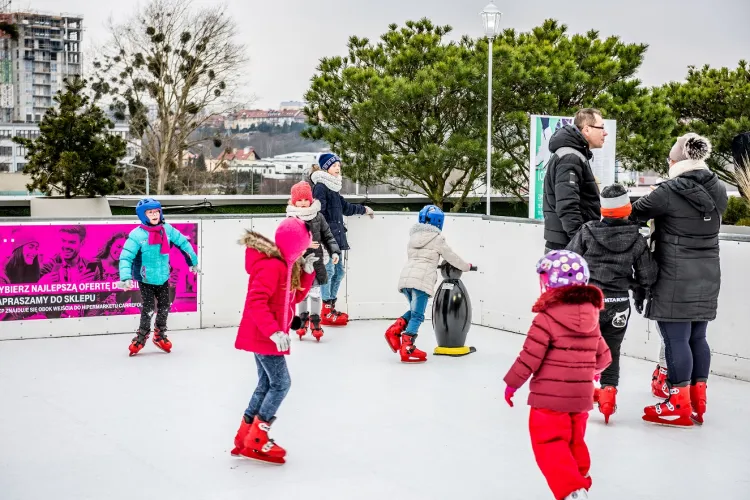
column 145, row 259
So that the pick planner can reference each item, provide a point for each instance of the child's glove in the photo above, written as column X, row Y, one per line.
column 597, row 377
column 310, row 261
column 639, row 298
column 195, row 270
column 281, row 340
column 368, row 211
column 335, row 259
column 126, row 285
column 509, row 393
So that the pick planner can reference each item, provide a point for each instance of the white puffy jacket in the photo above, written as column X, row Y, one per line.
column 426, row 246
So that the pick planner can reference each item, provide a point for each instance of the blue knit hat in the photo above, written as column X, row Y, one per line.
column 327, row 160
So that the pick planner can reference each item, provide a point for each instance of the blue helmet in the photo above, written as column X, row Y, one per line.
column 432, row 215
column 147, row 204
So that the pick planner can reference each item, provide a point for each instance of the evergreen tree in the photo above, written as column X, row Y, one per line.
column 75, row 154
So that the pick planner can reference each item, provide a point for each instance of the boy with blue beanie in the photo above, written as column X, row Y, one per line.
column 145, row 259
column 327, row 182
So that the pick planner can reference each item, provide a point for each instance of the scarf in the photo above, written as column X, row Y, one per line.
column 685, row 166
column 332, row 182
column 306, row 214
column 157, row 235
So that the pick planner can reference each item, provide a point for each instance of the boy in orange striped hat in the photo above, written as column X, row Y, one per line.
column 619, row 260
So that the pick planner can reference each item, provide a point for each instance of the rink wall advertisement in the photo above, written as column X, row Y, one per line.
column 72, row 271
column 542, row 129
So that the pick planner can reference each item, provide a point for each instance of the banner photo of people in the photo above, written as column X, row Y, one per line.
column 72, row 271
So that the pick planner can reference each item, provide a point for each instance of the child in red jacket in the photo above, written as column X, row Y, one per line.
column 563, row 351
column 279, row 280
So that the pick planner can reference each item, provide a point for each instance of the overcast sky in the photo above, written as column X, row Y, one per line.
column 286, row 38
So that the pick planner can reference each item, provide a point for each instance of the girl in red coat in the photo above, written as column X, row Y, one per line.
column 563, row 351
column 279, row 279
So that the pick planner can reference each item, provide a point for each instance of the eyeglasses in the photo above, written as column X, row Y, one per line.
column 594, row 126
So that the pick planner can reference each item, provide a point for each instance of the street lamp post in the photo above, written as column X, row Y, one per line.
column 133, row 165
column 491, row 19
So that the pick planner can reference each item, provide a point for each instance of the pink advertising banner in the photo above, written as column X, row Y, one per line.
column 71, row 271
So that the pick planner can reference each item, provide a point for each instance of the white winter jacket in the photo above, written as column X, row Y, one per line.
column 426, row 246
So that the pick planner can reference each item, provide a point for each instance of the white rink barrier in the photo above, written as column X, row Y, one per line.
column 502, row 291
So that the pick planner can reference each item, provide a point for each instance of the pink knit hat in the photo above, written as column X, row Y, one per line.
column 301, row 191
column 292, row 238
column 20, row 238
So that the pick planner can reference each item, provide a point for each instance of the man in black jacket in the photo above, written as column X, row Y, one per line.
column 571, row 194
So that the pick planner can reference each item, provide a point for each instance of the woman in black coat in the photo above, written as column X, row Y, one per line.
column 687, row 211
column 303, row 207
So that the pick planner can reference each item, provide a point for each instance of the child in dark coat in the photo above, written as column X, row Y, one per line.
column 620, row 260
column 563, row 351
column 303, row 207
column 327, row 181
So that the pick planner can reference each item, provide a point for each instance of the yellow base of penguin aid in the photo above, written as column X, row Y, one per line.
column 453, row 351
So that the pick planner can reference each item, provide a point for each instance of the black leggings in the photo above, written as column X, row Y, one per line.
column 687, row 352
column 154, row 297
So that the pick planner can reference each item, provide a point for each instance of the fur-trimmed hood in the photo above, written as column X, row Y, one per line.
column 422, row 234
column 575, row 307
column 262, row 248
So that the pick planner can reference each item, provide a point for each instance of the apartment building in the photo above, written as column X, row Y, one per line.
column 33, row 66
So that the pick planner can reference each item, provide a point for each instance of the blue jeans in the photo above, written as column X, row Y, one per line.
column 273, row 386
column 330, row 290
column 414, row 317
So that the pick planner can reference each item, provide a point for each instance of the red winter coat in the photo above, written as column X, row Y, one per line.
column 564, row 349
column 267, row 297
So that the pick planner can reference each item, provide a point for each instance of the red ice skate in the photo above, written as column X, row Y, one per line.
column 316, row 330
column 258, row 446
column 331, row 317
column 607, row 402
column 344, row 317
column 138, row 342
column 409, row 353
column 698, row 402
column 161, row 341
column 242, row 432
column 393, row 334
column 674, row 412
column 659, row 386
column 302, row 331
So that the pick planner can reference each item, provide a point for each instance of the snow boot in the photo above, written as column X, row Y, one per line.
column 305, row 318
column 607, row 402
column 258, row 446
column 330, row 316
column 239, row 439
column 138, row 342
column 315, row 328
column 393, row 334
column 659, row 387
column 409, row 353
column 698, row 401
column 161, row 341
column 675, row 411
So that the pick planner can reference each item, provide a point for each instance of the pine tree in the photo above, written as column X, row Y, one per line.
column 74, row 155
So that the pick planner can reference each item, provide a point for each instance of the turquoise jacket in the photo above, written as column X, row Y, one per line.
column 145, row 263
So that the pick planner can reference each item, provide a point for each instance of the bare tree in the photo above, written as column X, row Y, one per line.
column 168, row 68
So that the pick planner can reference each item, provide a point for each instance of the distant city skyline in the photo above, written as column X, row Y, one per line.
column 285, row 40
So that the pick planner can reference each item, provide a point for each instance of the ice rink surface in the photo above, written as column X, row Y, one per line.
column 81, row 420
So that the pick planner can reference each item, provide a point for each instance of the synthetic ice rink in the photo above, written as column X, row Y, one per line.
column 81, row 420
